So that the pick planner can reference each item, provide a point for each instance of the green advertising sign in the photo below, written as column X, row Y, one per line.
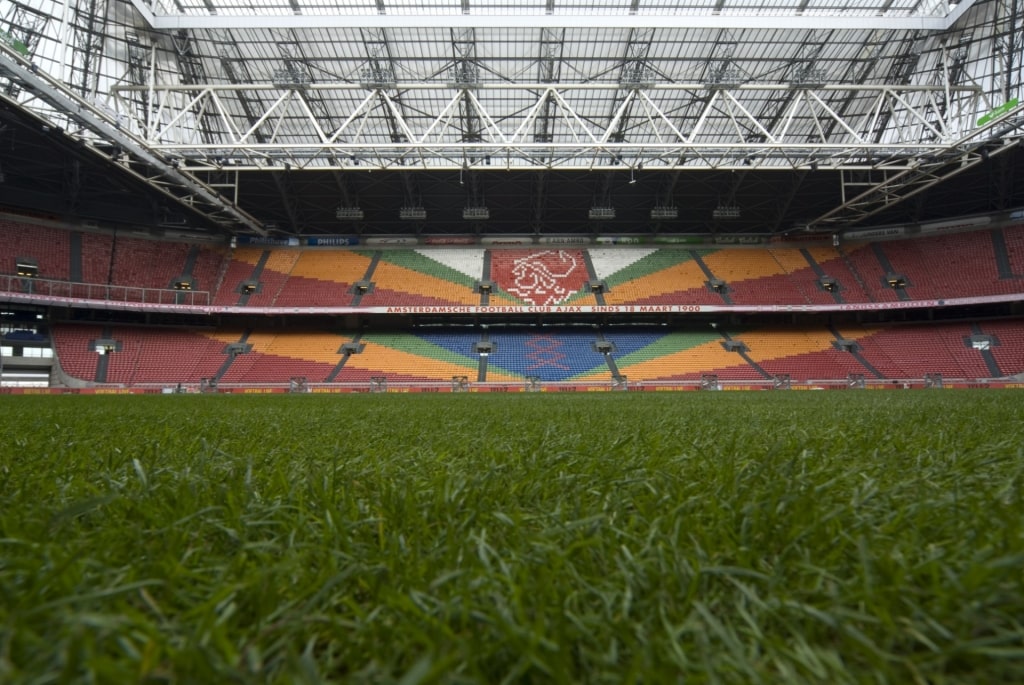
column 998, row 111
column 13, row 43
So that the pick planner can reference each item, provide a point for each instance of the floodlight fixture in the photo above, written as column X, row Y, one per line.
column 26, row 267
column 476, row 213
column 598, row 213
column 726, row 212
column 465, row 75
column 895, row 281
column 724, row 79
column 349, row 214
column 809, row 78
column 103, row 346
column 182, row 283
column 376, row 78
column 290, row 78
column 412, row 213
column 637, row 76
column 661, row 212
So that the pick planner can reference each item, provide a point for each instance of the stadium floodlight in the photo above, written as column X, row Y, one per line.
column 724, row 79
column 349, row 214
column 412, row 213
column 290, row 78
column 809, row 77
column 664, row 212
column 726, row 212
column 378, row 78
column 476, row 213
column 26, row 267
column 465, row 75
column 105, row 346
column 895, row 281
column 601, row 213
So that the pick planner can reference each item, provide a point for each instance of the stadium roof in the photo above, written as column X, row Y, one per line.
column 333, row 116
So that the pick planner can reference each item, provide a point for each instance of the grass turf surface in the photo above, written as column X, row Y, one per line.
column 677, row 537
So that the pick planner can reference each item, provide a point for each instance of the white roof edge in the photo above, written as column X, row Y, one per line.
column 311, row 21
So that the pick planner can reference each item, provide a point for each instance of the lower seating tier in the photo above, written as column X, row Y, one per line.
column 162, row 355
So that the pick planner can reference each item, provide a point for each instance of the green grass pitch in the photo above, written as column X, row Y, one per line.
column 772, row 537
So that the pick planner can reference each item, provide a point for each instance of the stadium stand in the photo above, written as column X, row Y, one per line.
column 963, row 265
column 49, row 247
column 406, row 357
column 323, row 278
column 164, row 355
column 550, row 355
column 911, row 351
column 424, row 277
column 539, row 277
column 807, row 267
column 96, row 251
column 863, row 263
column 753, row 276
column 662, row 276
column 804, row 353
column 73, row 350
column 1008, row 348
column 685, row 356
column 279, row 356
column 147, row 263
column 267, row 269
column 968, row 264
column 240, row 268
column 1013, row 241
column 161, row 355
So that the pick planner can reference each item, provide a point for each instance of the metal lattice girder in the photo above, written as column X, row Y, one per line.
column 867, row 193
column 929, row 15
column 671, row 126
column 98, row 126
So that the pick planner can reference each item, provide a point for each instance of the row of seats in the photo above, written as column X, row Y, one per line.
column 171, row 355
column 960, row 265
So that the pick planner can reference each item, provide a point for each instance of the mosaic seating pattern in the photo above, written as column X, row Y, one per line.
column 550, row 354
column 958, row 265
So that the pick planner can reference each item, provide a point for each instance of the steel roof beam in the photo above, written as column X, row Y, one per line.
column 867, row 194
column 168, row 22
column 724, row 131
column 187, row 189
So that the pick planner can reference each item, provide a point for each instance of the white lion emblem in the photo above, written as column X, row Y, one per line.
column 538, row 276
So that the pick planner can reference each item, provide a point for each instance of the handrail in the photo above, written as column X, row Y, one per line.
column 101, row 292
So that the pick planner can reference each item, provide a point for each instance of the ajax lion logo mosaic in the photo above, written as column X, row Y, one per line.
column 544, row 277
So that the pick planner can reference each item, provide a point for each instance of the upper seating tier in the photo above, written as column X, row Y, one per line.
column 981, row 263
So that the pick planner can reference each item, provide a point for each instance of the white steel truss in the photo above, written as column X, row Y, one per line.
column 162, row 15
column 94, row 125
column 405, row 126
